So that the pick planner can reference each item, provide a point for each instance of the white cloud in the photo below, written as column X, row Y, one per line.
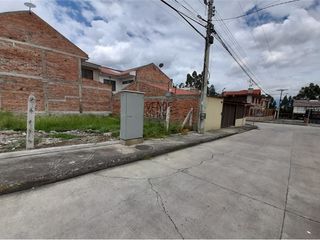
column 127, row 33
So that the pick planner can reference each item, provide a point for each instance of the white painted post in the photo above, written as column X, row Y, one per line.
column 187, row 118
column 168, row 118
column 31, row 112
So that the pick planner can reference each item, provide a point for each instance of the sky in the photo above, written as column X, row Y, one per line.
column 280, row 45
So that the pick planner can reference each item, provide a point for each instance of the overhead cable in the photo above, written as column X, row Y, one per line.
column 258, row 10
column 182, row 15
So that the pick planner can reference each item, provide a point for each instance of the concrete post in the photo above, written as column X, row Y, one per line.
column 31, row 112
column 190, row 119
column 168, row 118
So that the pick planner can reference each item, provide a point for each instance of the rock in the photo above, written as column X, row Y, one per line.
column 108, row 134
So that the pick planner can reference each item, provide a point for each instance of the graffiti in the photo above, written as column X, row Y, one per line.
column 156, row 109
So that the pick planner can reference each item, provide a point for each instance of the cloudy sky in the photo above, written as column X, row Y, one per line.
column 280, row 45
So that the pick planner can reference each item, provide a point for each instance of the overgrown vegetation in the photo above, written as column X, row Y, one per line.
column 156, row 129
column 61, row 123
column 85, row 122
column 8, row 121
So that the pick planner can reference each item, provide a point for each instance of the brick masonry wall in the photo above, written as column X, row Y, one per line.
column 155, row 106
column 152, row 74
column 34, row 58
column 96, row 97
column 30, row 28
column 14, row 93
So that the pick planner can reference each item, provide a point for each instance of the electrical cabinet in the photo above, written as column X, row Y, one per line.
column 132, row 112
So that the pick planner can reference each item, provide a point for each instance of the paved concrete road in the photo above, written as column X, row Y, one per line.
column 259, row 184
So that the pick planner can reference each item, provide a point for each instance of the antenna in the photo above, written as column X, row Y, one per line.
column 30, row 5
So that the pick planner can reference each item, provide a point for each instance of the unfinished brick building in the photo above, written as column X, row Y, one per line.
column 160, row 94
column 35, row 58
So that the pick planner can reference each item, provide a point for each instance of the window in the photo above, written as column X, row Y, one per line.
column 86, row 73
column 110, row 82
column 127, row 82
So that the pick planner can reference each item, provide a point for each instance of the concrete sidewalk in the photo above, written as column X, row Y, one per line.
column 28, row 169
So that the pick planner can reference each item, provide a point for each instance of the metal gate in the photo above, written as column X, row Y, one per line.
column 228, row 115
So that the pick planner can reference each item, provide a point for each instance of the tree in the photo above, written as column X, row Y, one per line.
column 287, row 104
column 310, row 92
column 181, row 85
column 194, row 80
column 273, row 103
column 284, row 102
column 212, row 91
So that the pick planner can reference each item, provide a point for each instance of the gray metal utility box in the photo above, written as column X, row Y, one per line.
column 132, row 109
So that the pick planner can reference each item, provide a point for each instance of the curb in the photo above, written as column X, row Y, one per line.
column 15, row 177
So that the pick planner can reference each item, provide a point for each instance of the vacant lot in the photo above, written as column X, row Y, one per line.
column 57, row 130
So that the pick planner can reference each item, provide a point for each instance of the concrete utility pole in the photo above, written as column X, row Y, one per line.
column 281, row 91
column 209, row 41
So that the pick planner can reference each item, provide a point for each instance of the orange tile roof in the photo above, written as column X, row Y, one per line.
column 256, row 92
column 176, row 91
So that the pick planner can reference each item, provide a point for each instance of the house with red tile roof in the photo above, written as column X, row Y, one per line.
column 149, row 78
column 256, row 103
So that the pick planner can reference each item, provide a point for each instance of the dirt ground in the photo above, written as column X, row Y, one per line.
column 16, row 140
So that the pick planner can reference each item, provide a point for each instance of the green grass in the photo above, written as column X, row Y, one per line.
column 84, row 122
column 156, row 129
column 61, row 123
column 8, row 121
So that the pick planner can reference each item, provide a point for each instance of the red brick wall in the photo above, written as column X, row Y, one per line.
column 96, row 97
column 14, row 93
column 30, row 28
column 152, row 74
column 52, row 76
column 49, row 75
column 155, row 106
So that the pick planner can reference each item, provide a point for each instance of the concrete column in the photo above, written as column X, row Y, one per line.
column 31, row 112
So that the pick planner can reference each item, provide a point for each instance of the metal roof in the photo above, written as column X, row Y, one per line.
column 306, row 103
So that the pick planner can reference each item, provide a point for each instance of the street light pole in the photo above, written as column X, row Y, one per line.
column 205, row 73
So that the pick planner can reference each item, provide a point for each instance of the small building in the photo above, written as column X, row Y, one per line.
column 302, row 107
column 256, row 104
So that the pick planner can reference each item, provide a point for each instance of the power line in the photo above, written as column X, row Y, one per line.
column 192, row 19
column 258, row 10
column 194, row 13
column 236, row 55
column 191, row 7
column 253, row 37
column 229, row 34
column 242, row 66
column 181, row 15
